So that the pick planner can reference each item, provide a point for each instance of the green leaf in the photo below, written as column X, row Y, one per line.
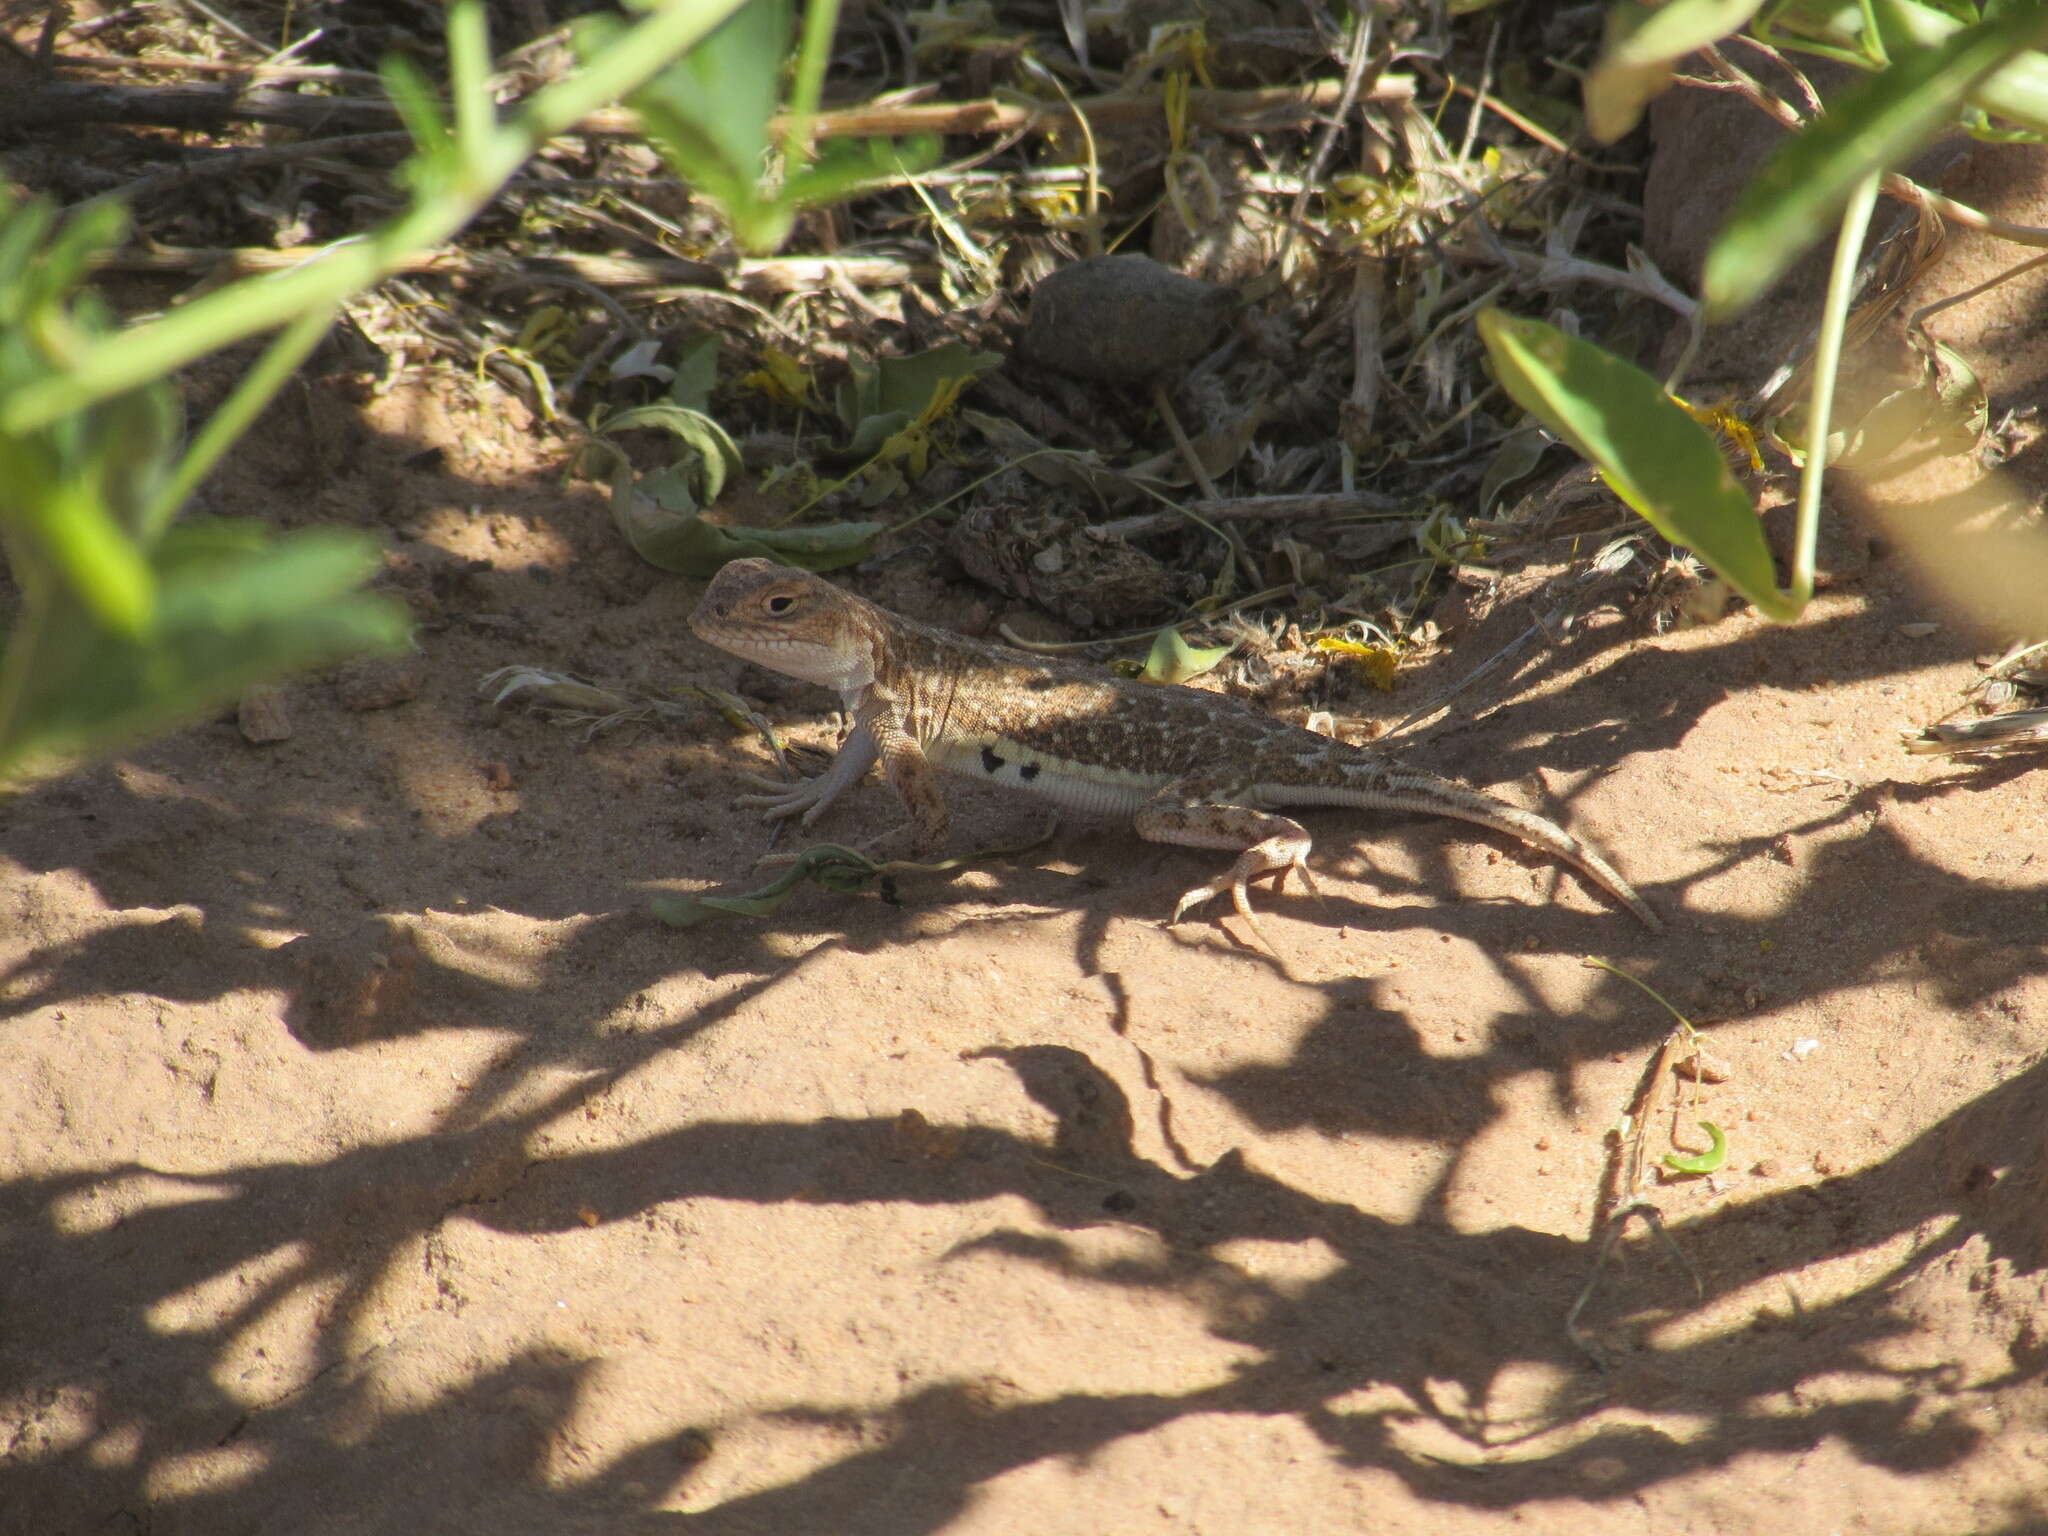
column 1704, row 1162
column 729, row 85
column 61, row 265
column 1657, row 458
column 205, row 543
column 419, row 109
column 844, row 167
column 1829, row 29
column 825, row 547
column 2018, row 91
column 1798, row 195
column 659, row 513
column 884, row 395
column 22, row 230
column 710, row 113
column 1963, row 414
column 676, row 538
column 94, row 556
column 909, row 383
column 1173, row 660
column 226, row 618
column 1943, row 411
column 1517, row 455
column 836, row 868
column 1980, row 125
column 1675, row 29
column 696, row 373
column 132, row 441
column 832, row 866
column 1641, row 46
column 716, row 453
column 876, row 430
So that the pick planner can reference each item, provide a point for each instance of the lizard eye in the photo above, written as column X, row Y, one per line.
column 781, row 603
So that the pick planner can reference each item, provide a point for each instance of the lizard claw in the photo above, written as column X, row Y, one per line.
column 807, row 798
column 1234, row 883
column 1257, row 863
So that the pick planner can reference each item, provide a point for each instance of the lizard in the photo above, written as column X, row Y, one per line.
column 1188, row 767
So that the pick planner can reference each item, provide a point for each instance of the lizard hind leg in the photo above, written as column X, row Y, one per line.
column 1269, row 846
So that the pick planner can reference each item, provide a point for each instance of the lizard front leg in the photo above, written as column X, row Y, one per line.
column 876, row 734
column 1268, row 844
column 812, row 797
column 911, row 774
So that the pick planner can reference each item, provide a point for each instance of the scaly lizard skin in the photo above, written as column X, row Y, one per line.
column 1188, row 767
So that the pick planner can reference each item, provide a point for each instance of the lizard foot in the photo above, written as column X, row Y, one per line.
column 1276, row 858
column 807, row 798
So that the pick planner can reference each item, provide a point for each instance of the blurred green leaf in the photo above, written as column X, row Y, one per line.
column 726, row 89
column 844, row 167
column 1640, row 48
column 93, row 555
column 226, row 617
column 1985, row 129
column 710, row 114
column 62, row 263
column 2017, row 90
column 1827, row 29
column 1800, row 192
column 1675, row 29
column 436, row 156
column 1658, row 459
column 23, row 228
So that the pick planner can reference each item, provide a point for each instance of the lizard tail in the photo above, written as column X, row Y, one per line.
column 1411, row 790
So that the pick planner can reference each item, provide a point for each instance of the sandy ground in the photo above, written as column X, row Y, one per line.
column 373, row 1162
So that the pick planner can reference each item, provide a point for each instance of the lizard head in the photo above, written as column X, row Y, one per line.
column 789, row 620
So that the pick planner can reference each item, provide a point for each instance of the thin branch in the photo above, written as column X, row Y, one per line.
column 1312, row 508
column 785, row 274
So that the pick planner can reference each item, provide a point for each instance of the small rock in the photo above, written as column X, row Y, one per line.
column 261, row 715
column 1123, row 319
column 380, row 683
column 353, row 984
column 1703, row 1066
column 1766, row 1168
